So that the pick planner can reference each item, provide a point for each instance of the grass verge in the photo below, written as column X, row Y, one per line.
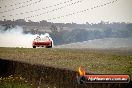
column 95, row 61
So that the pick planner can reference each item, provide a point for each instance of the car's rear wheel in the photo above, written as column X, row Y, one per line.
column 34, row 46
column 50, row 46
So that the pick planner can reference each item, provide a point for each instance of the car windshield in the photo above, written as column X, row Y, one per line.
column 38, row 38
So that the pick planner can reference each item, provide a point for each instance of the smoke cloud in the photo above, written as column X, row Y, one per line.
column 14, row 37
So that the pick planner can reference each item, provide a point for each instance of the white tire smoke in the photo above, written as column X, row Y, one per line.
column 14, row 37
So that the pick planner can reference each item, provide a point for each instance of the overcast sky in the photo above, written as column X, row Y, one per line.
column 119, row 11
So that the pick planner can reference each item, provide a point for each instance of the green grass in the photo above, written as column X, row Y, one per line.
column 95, row 61
column 13, row 82
column 13, row 85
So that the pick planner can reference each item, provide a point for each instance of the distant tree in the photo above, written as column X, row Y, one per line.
column 54, row 29
column 30, row 21
column 4, row 19
column 129, row 27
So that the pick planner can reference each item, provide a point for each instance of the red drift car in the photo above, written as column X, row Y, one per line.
column 42, row 42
